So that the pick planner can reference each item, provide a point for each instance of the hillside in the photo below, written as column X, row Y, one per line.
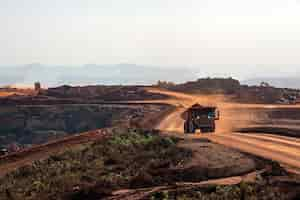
column 28, row 125
column 204, row 86
column 263, row 93
column 92, row 171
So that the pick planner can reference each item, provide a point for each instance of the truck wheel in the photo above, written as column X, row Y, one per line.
column 186, row 128
column 191, row 128
column 213, row 128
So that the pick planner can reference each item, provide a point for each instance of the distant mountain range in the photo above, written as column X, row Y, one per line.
column 92, row 74
column 118, row 74
column 282, row 82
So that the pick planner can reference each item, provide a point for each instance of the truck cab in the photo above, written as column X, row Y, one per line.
column 200, row 117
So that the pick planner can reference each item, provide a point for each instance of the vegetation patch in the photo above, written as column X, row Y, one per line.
column 273, row 184
column 128, row 159
column 242, row 191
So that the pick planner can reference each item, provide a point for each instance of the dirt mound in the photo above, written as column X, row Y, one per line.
column 211, row 160
column 205, row 86
column 106, row 93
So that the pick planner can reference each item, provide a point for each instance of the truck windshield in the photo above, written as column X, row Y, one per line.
column 203, row 113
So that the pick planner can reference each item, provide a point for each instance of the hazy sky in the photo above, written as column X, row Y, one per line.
column 236, row 33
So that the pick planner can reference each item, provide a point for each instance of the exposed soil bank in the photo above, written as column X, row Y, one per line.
column 271, row 130
column 277, row 121
column 28, row 125
column 286, row 113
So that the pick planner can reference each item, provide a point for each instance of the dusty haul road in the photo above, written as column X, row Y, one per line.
column 285, row 150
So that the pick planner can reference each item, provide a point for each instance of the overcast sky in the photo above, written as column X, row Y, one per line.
column 245, row 36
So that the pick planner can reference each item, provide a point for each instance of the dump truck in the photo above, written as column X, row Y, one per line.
column 200, row 117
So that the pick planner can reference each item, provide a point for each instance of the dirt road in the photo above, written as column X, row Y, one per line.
column 285, row 150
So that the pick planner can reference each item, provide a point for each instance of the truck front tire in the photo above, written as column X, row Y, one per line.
column 191, row 127
column 185, row 128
